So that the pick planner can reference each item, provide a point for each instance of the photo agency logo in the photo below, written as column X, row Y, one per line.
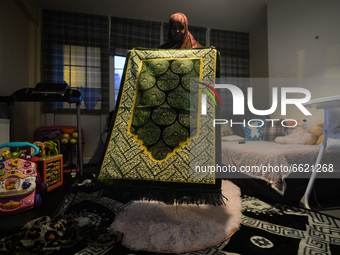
column 204, row 97
column 238, row 107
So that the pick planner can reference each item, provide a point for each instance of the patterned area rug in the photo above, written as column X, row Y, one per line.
column 281, row 229
column 265, row 229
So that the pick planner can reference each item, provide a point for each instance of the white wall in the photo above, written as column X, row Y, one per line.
column 259, row 63
column 304, row 43
column 18, row 56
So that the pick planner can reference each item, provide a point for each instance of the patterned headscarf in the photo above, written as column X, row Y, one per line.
column 188, row 40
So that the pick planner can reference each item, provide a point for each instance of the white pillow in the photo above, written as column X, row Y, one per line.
column 232, row 138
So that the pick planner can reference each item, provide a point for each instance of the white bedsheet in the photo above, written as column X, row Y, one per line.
column 265, row 154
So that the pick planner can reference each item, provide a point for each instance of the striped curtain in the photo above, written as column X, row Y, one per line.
column 127, row 34
column 235, row 66
column 234, row 49
column 65, row 33
column 92, row 31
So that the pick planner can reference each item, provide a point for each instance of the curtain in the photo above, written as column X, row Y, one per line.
column 127, row 34
column 235, row 66
column 81, row 33
column 234, row 49
column 75, row 29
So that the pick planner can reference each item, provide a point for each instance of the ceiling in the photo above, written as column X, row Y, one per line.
column 232, row 15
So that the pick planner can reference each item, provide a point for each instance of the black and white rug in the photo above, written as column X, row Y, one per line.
column 265, row 229
column 281, row 229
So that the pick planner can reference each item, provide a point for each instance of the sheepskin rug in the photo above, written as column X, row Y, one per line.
column 158, row 227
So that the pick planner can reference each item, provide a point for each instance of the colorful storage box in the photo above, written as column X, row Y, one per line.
column 51, row 171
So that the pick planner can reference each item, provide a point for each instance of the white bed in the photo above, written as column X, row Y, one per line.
column 256, row 154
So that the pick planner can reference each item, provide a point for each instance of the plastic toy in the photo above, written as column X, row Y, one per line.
column 19, row 180
column 47, row 148
column 307, row 131
column 65, row 138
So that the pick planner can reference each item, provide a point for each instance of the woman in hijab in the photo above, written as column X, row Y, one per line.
column 179, row 35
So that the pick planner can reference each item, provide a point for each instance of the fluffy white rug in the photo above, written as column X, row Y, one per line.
column 155, row 226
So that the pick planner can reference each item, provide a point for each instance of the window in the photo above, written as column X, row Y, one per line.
column 75, row 50
column 119, row 62
column 82, row 70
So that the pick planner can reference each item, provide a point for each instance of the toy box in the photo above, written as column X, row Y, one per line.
column 20, row 181
column 51, row 171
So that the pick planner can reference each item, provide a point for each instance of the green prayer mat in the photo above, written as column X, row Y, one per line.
column 158, row 136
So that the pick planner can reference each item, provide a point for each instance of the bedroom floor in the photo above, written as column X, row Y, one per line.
column 328, row 206
column 13, row 223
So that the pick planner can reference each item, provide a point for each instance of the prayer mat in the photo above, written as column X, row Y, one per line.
column 158, row 136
